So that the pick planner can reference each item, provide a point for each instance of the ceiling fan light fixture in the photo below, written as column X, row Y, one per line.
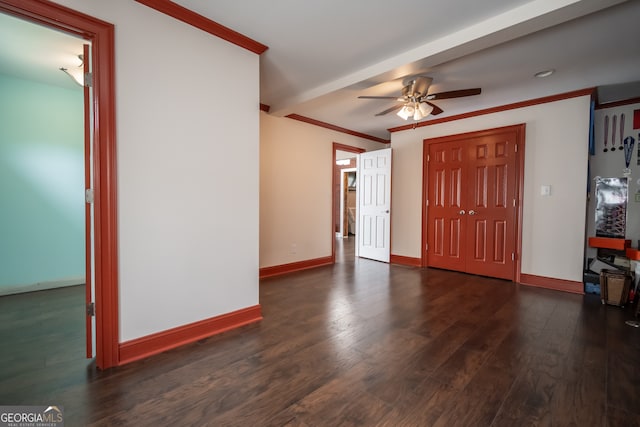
column 405, row 112
column 425, row 109
column 417, row 114
column 76, row 73
column 415, row 99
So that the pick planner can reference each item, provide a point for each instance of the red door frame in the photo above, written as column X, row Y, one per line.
column 350, row 149
column 101, row 35
column 520, row 141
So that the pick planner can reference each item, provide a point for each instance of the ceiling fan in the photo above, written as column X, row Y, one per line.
column 415, row 98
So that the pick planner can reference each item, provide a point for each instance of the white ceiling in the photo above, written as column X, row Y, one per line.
column 324, row 54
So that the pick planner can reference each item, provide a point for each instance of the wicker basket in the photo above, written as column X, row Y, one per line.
column 614, row 287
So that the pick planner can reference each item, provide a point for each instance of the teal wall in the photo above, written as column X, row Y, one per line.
column 41, row 183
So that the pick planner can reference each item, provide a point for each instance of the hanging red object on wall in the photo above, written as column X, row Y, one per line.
column 636, row 119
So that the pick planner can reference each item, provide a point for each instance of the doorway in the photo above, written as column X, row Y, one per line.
column 348, row 203
column 472, row 187
column 43, row 156
column 101, row 35
column 344, row 159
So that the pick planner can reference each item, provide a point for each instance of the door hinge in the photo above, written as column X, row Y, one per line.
column 89, row 195
column 514, row 203
column 88, row 79
column 513, row 256
column 516, row 148
column 428, row 157
column 427, row 202
column 426, row 247
column 91, row 309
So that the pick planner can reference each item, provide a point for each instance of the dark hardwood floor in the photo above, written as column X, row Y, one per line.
column 358, row 343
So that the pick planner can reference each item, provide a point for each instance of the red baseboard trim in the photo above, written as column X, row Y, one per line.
column 551, row 283
column 278, row 270
column 150, row 345
column 405, row 260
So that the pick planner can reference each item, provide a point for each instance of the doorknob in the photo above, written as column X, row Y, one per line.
column 462, row 212
column 472, row 212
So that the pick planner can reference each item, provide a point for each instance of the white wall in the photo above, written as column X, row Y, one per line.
column 187, row 169
column 556, row 154
column 296, row 189
column 611, row 164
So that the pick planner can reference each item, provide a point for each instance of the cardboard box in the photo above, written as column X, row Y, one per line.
column 614, row 287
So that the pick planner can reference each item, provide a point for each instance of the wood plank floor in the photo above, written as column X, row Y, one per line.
column 360, row 343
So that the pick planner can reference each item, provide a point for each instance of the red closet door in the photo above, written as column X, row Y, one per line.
column 472, row 187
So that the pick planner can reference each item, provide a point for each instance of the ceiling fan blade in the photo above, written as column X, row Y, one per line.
column 388, row 110
column 381, row 97
column 454, row 94
column 436, row 110
column 420, row 85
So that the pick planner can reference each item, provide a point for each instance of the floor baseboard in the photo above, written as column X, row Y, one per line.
column 41, row 286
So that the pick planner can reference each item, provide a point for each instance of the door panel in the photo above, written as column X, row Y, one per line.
column 454, row 238
column 471, row 211
column 374, row 196
column 481, row 189
column 494, row 159
column 478, row 240
column 500, row 234
column 446, row 230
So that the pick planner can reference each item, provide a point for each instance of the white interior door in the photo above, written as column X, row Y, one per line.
column 90, row 283
column 374, row 205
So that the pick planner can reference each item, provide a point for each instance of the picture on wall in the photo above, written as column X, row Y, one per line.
column 611, row 207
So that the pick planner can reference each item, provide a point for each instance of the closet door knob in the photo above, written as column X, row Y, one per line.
column 472, row 212
column 462, row 212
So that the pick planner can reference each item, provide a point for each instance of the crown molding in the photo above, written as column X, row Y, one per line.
column 205, row 24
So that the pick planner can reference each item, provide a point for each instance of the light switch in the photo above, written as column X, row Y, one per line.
column 545, row 190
